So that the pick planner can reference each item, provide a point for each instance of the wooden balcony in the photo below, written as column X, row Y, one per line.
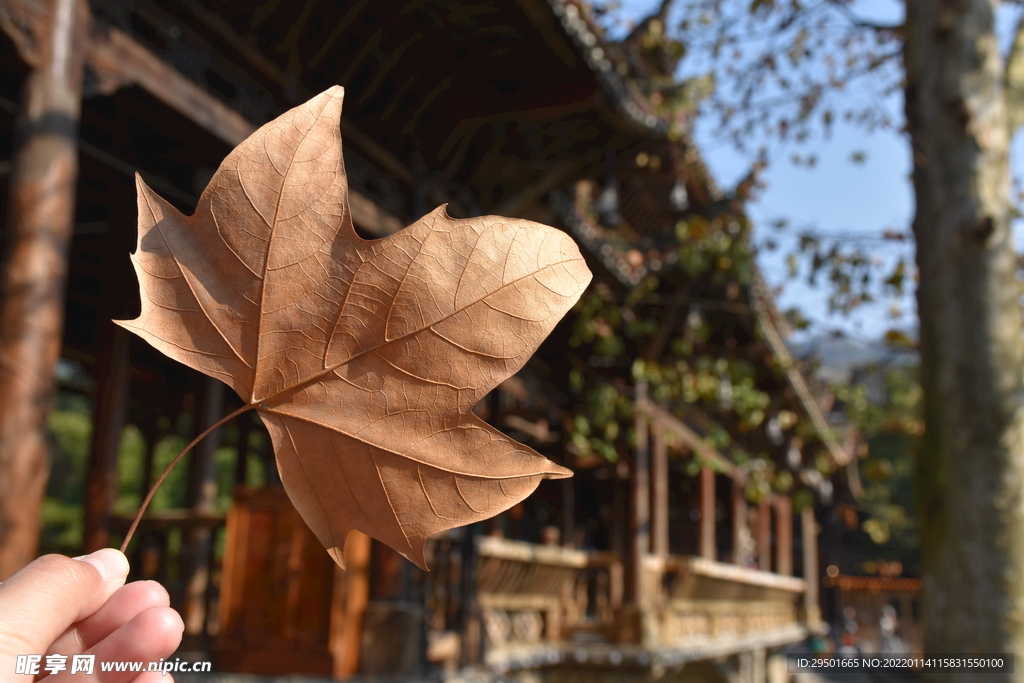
column 525, row 595
column 649, row 609
column 533, row 605
column 544, row 606
column 706, row 608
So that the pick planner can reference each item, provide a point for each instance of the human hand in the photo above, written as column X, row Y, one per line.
column 58, row 605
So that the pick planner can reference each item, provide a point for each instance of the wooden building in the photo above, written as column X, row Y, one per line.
column 521, row 109
column 865, row 601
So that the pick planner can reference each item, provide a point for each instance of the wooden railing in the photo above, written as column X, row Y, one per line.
column 535, row 599
column 598, row 598
column 699, row 599
column 697, row 578
column 178, row 548
column 525, row 591
column 543, row 596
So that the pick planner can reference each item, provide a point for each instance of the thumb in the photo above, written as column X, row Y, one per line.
column 42, row 600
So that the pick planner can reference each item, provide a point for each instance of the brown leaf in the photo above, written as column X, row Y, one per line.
column 364, row 358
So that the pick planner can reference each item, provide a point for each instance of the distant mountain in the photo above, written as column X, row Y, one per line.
column 835, row 358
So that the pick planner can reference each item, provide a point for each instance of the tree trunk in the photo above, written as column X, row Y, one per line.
column 42, row 195
column 972, row 358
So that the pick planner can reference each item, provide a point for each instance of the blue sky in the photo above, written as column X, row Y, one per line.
column 836, row 197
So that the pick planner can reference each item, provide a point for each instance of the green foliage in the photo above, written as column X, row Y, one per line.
column 131, row 452
column 718, row 247
column 898, row 412
column 802, row 500
column 694, row 367
column 891, row 428
column 62, row 512
column 849, row 267
column 62, row 515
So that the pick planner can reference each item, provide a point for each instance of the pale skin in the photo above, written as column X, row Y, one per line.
column 83, row 606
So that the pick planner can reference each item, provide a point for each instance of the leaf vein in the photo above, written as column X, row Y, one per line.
column 199, row 303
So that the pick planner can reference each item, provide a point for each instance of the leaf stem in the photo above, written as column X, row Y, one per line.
column 152, row 491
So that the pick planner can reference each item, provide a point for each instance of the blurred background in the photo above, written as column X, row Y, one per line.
column 737, row 392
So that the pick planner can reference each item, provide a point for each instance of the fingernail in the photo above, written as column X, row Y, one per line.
column 111, row 564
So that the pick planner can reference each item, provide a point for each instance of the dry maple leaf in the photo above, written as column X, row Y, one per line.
column 363, row 358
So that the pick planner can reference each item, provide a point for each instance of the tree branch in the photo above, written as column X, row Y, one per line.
column 862, row 23
column 661, row 14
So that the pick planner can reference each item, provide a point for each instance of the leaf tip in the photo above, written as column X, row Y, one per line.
column 130, row 325
column 337, row 555
column 329, row 102
column 557, row 472
column 141, row 191
column 416, row 554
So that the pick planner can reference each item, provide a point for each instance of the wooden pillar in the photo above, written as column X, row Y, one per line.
column 202, row 497
column 763, row 535
column 351, row 595
column 202, row 484
column 707, row 514
column 42, row 209
column 759, row 672
column 147, row 555
column 387, row 568
column 740, row 530
column 569, row 511
column 620, row 512
column 809, row 536
column 783, row 536
column 111, row 398
column 659, row 491
column 109, row 416
column 469, row 609
column 640, row 503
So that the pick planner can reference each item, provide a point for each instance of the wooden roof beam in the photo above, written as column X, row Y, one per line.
column 544, row 21
column 120, row 61
column 161, row 185
column 339, row 30
column 387, row 161
column 552, row 178
column 690, row 438
column 759, row 303
column 223, row 29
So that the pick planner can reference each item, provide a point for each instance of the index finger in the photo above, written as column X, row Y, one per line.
column 42, row 600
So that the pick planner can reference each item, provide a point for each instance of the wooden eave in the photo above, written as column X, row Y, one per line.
column 547, row 105
column 429, row 82
column 761, row 304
